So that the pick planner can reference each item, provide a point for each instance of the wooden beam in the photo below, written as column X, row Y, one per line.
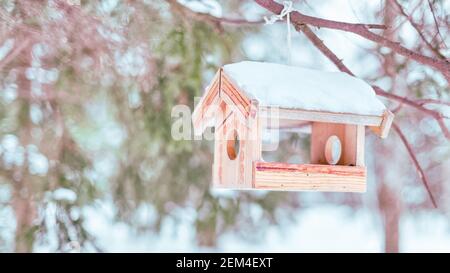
column 237, row 97
column 309, row 177
column 360, row 145
column 319, row 116
column 383, row 130
column 203, row 110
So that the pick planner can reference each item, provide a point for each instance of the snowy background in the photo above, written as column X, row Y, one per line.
column 154, row 222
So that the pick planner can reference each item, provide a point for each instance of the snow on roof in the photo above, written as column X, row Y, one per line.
column 301, row 88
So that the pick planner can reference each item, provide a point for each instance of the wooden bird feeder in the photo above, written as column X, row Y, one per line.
column 246, row 98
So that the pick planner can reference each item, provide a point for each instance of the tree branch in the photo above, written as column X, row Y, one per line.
column 436, row 23
column 199, row 16
column 432, row 101
column 318, row 43
column 419, row 106
column 342, row 67
column 323, row 48
column 216, row 21
column 15, row 52
column 417, row 28
column 415, row 161
column 298, row 18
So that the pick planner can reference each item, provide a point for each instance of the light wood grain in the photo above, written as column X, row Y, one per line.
column 383, row 130
column 320, row 116
column 309, row 177
column 204, row 110
column 238, row 98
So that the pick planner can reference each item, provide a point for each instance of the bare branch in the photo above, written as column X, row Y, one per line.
column 436, row 22
column 417, row 28
column 216, row 21
column 378, row 90
column 415, row 161
column 224, row 20
column 298, row 18
column 432, row 101
column 17, row 50
column 323, row 48
column 436, row 115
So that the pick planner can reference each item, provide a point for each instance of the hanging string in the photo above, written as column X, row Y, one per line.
column 287, row 9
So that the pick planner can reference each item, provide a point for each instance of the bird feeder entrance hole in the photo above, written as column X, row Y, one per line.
column 240, row 101
column 233, row 145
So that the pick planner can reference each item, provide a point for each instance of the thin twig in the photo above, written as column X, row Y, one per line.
column 432, row 101
column 298, row 18
column 415, row 161
column 318, row 43
column 338, row 62
column 216, row 21
column 17, row 50
column 436, row 23
column 417, row 28
column 200, row 16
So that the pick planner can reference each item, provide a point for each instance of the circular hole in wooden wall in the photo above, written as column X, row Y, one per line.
column 333, row 150
column 233, row 145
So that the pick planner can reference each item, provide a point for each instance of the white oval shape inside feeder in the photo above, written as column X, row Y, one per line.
column 333, row 150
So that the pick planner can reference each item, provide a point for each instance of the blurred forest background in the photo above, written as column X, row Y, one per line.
column 87, row 89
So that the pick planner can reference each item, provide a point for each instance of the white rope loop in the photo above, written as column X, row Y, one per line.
column 286, row 11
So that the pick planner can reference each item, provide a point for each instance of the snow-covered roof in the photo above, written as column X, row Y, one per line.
column 306, row 89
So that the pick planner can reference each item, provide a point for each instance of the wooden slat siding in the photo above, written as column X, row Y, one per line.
column 311, row 177
column 209, row 98
column 210, row 93
column 239, row 94
column 228, row 169
column 242, row 152
column 238, row 98
column 226, row 98
column 238, row 173
column 319, row 116
column 202, row 122
column 216, row 169
column 221, row 146
column 235, row 102
column 258, row 142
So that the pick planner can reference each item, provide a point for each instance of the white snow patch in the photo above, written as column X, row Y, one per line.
column 63, row 194
column 301, row 88
column 211, row 7
column 6, row 48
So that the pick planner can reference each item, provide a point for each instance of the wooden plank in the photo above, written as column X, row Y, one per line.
column 349, row 149
column 383, row 130
column 352, row 142
column 237, row 173
column 228, row 168
column 237, row 96
column 309, row 177
column 319, row 136
column 242, row 115
column 319, row 116
column 353, row 149
column 360, row 143
column 239, row 93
